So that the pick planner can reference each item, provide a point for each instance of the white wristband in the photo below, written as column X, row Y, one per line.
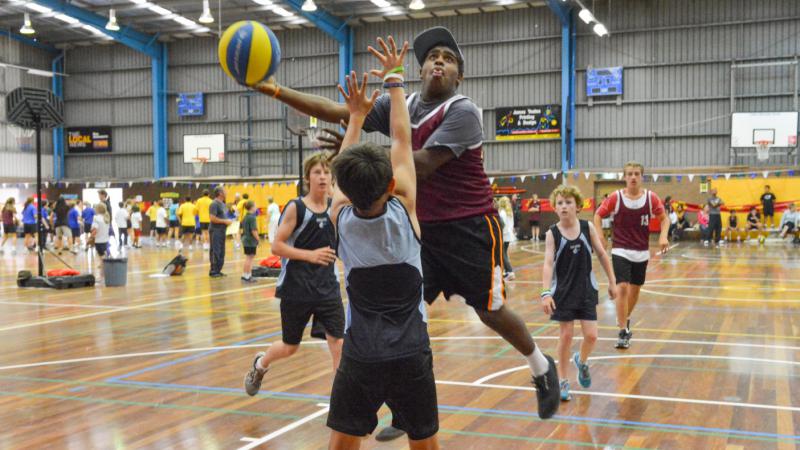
column 397, row 76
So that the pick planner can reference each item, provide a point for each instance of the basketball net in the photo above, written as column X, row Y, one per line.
column 23, row 137
column 762, row 150
column 197, row 164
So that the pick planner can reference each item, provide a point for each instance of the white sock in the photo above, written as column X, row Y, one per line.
column 258, row 363
column 537, row 362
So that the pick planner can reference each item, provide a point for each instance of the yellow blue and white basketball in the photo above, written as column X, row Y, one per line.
column 249, row 52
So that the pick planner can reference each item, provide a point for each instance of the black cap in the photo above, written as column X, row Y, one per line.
column 434, row 37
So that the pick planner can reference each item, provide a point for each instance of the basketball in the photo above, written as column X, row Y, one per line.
column 249, row 52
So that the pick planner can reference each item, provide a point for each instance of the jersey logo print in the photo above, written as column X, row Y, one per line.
column 575, row 248
column 322, row 221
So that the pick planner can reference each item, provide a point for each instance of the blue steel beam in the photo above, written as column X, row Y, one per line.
column 58, row 132
column 560, row 9
column 29, row 41
column 564, row 13
column 143, row 43
column 573, row 43
column 335, row 28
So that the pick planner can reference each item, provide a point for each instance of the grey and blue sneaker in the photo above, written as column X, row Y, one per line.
column 584, row 377
column 564, row 388
column 252, row 381
column 624, row 339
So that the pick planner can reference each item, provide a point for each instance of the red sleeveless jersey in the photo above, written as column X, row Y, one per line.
column 631, row 220
column 458, row 189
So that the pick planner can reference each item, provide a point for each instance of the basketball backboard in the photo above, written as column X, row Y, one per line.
column 777, row 128
column 207, row 146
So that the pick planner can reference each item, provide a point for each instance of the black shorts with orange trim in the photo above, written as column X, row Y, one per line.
column 464, row 257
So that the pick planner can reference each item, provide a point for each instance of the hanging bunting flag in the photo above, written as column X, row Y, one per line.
column 246, row 184
column 174, row 183
column 679, row 178
column 270, row 184
column 655, row 177
column 522, row 178
column 491, row 180
column 791, row 173
column 691, row 177
column 296, row 182
column 555, row 175
column 765, row 173
column 197, row 185
column 576, row 175
column 587, row 175
column 26, row 185
column 513, row 179
column 130, row 183
column 47, row 184
column 727, row 176
column 544, row 177
column 619, row 175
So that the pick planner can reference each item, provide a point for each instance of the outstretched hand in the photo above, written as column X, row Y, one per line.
column 356, row 96
column 390, row 58
column 331, row 140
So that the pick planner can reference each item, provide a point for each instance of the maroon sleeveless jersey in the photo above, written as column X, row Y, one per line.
column 631, row 224
column 459, row 188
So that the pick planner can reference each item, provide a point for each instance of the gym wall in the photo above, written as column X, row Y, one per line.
column 16, row 164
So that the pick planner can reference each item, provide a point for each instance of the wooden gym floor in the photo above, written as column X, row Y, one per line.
column 159, row 363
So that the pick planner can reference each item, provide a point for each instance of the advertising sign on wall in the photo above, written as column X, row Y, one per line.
column 88, row 139
column 528, row 122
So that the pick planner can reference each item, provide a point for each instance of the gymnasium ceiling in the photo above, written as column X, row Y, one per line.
column 142, row 16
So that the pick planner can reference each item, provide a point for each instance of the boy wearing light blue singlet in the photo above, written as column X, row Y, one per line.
column 386, row 354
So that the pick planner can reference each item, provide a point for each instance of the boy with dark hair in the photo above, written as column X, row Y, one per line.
column 387, row 356
column 768, row 207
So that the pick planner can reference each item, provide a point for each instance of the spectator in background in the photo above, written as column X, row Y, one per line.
column 152, row 212
column 60, row 224
column 607, row 222
column 216, row 231
column 174, row 223
column 517, row 212
column 162, row 224
column 274, row 213
column 203, row 204
column 768, row 207
column 714, row 204
column 29, row 224
column 507, row 221
column 733, row 227
column 106, row 200
column 99, row 237
column 121, row 219
column 186, row 215
column 789, row 221
column 87, row 215
column 703, row 225
column 682, row 223
column 9, row 225
column 136, row 225
column 74, row 222
column 535, row 208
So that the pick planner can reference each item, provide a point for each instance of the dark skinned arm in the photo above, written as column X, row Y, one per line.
column 313, row 105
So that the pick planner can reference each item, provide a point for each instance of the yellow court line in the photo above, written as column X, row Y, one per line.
column 655, row 330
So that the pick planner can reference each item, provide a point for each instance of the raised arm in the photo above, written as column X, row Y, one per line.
column 313, row 105
column 400, row 124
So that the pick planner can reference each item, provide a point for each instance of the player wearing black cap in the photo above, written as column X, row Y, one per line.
column 461, row 233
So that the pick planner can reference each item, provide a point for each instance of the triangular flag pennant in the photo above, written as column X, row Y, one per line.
column 47, row 184
column 679, row 178
column 174, row 183
column 130, row 183
column 66, row 183
column 791, row 173
column 619, row 175
column 87, row 184
column 576, row 175
column 270, row 184
column 513, row 179
column 727, row 176
column 752, row 174
column 246, row 184
column 296, row 182
column 691, row 177
column 655, row 177
column 555, row 175
column 491, row 180
column 262, row 184
column 765, row 173
column 587, row 175
column 26, row 185
column 197, row 185
column 522, row 178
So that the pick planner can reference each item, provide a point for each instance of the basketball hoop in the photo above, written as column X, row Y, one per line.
column 762, row 150
column 198, row 163
column 23, row 137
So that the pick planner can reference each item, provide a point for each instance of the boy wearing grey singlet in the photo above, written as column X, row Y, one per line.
column 386, row 355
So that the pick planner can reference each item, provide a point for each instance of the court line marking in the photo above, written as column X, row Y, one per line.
column 437, row 338
column 721, row 299
column 649, row 356
column 255, row 443
column 630, row 396
column 130, row 308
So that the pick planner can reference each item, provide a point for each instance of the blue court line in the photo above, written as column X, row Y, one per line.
column 186, row 359
column 488, row 410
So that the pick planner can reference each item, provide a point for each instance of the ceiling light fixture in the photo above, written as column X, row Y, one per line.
column 381, row 3
column 112, row 24
column 27, row 28
column 600, row 29
column 206, row 17
column 38, row 8
column 309, row 6
column 416, row 5
column 586, row 16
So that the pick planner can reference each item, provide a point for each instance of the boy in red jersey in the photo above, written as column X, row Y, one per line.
column 631, row 209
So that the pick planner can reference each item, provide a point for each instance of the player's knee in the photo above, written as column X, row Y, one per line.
column 489, row 318
column 566, row 333
column 590, row 336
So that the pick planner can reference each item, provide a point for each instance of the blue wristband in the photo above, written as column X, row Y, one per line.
column 389, row 85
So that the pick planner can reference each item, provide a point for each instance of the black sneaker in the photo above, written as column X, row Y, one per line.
column 548, row 393
column 252, row 381
column 622, row 342
column 389, row 433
